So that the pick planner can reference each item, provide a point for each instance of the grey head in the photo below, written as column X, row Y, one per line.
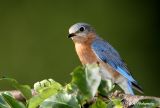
column 80, row 30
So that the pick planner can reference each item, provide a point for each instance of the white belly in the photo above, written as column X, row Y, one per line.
column 105, row 74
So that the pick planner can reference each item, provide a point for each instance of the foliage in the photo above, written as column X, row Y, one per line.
column 25, row 89
column 7, row 101
column 45, row 89
column 84, row 91
column 87, row 80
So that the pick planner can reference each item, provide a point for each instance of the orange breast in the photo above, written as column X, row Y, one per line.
column 85, row 53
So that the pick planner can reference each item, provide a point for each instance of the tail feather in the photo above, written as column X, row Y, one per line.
column 137, row 87
column 128, row 86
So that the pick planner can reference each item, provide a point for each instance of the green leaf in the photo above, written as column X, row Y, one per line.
column 115, row 103
column 3, row 103
column 105, row 87
column 87, row 79
column 10, row 102
column 61, row 100
column 3, row 106
column 24, row 89
column 99, row 104
column 45, row 89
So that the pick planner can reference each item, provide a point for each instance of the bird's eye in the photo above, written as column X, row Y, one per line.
column 81, row 29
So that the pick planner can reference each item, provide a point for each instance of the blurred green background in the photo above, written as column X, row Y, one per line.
column 34, row 44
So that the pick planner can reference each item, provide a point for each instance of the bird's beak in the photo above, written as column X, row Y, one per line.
column 71, row 35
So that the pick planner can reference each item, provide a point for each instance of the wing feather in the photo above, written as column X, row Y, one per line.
column 105, row 52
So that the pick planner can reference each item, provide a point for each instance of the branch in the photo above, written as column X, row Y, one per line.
column 127, row 100
column 130, row 100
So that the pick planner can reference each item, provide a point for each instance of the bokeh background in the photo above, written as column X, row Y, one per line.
column 34, row 44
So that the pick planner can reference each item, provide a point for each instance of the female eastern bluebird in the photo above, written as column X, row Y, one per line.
column 93, row 49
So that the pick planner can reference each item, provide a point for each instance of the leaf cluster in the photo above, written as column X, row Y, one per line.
column 86, row 90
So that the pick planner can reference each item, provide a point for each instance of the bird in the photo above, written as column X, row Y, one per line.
column 91, row 49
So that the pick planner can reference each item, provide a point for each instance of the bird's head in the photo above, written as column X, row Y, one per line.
column 81, row 32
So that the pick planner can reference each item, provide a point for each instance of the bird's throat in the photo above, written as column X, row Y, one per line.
column 85, row 53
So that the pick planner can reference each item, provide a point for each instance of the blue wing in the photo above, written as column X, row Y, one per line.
column 105, row 52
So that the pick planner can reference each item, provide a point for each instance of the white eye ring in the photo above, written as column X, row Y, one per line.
column 82, row 29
